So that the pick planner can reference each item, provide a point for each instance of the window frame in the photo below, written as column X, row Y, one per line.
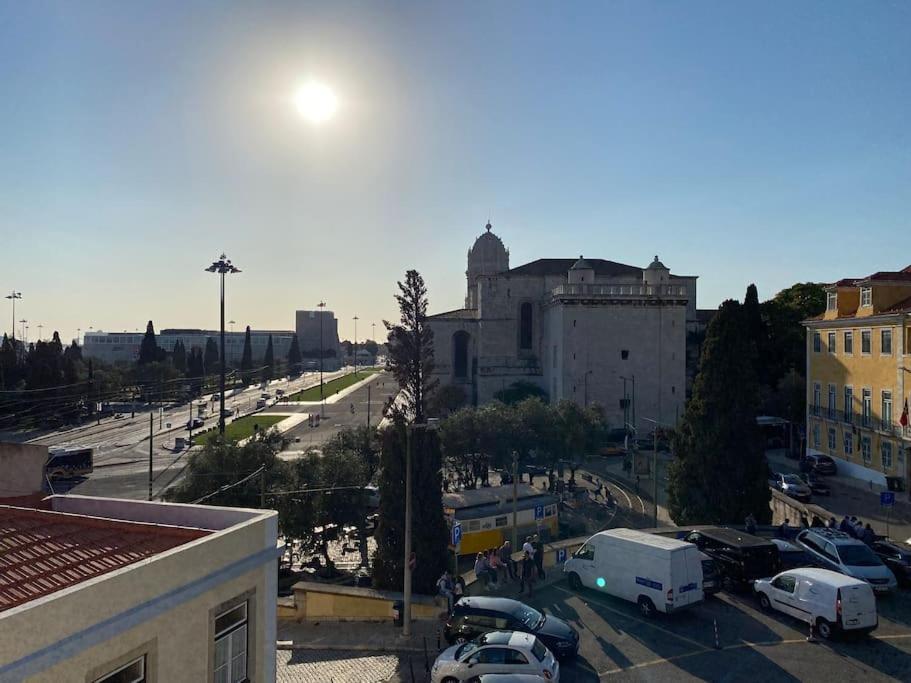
column 866, row 449
column 848, row 443
column 848, row 404
column 866, row 297
column 833, row 439
column 817, row 342
column 883, row 334
column 830, row 342
column 882, row 454
column 831, row 301
column 848, row 342
column 866, row 348
column 143, row 675
column 248, row 598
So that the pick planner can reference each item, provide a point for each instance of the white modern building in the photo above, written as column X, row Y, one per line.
column 573, row 327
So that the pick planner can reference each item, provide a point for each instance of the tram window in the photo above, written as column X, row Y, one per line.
column 474, row 524
column 500, row 521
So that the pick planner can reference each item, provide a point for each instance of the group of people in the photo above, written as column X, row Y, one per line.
column 856, row 529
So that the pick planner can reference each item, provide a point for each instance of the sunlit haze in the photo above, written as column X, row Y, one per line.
column 316, row 102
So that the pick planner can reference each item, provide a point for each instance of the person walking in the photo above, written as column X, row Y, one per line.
column 869, row 536
column 844, row 525
column 482, row 569
column 446, row 588
column 539, row 556
column 529, row 574
column 493, row 559
column 509, row 571
column 528, row 547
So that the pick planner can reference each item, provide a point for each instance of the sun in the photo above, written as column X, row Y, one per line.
column 316, row 102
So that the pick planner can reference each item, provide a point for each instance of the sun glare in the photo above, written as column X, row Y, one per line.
column 316, row 102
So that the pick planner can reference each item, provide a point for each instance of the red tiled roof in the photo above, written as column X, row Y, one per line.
column 42, row 552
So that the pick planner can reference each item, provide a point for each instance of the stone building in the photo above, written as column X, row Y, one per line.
column 573, row 327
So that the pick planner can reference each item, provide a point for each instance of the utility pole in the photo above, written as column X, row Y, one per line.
column 406, row 612
column 151, row 430
column 515, row 498
column 321, row 306
column 368, row 406
column 355, row 345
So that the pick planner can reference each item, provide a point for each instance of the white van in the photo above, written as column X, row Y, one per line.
column 831, row 601
column 657, row 573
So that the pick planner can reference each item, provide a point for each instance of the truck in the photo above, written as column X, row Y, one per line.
column 69, row 461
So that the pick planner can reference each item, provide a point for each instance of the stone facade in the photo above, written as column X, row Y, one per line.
column 573, row 327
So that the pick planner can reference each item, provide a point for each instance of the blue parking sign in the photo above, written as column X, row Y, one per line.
column 456, row 534
column 539, row 512
column 561, row 555
column 886, row 498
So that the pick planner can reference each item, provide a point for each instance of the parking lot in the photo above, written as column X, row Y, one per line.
column 616, row 643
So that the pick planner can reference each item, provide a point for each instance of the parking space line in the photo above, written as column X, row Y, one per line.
column 638, row 620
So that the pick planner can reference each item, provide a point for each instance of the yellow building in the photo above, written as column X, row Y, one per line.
column 98, row 590
column 859, row 376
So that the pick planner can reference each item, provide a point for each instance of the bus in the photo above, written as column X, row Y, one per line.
column 69, row 461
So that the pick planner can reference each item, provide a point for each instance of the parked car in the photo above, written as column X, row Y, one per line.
column 817, row 484
column 195, row 423
column 837, row 551
column 819, row 463
column 711, row 576
column 742, row 558
column 830, row 601
column 227, row 413
column 507, row 678
column 476, row 615
column 792, row 485
column 792, row 556
column 658, row 574
column 499, row 652
column 897, row 558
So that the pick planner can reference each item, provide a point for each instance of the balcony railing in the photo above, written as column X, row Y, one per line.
column 631, row 290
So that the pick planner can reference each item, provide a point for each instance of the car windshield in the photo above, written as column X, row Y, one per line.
column 858, row 556
column 792, row 479
column 465, row 648
column 539, row 650
column 529, row 616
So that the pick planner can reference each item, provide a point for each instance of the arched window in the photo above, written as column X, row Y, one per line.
column 525, row 326
column 460, row 354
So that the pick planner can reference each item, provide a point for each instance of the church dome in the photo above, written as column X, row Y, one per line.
column 488, row 255
column 581, row 264
column 656, row 264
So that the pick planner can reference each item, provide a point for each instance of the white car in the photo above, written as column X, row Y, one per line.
column 831, row 601
column 497, row 652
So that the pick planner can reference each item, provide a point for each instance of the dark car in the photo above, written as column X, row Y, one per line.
column 817, row 484
column 476, row 615
column 741, row 558
column 818, row 463
column 897, row 558
column 792, row 556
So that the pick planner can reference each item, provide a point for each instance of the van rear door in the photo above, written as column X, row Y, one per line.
column 686, row 576
column 858, row 606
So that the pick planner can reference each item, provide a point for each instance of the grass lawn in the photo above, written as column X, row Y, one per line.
column 333, row 387
column 243, row 428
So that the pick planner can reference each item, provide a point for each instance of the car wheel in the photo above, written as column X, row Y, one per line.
column 575, row 582
column 646, row 607
column 460, row 639
column 728, row 583
column 764, row 601
column 824, row 629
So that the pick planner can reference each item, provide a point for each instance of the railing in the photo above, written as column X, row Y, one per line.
column 631, row 290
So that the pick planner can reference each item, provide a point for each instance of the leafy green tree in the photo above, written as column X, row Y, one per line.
column 719, row 475
column 294, row 356
column 411, row 346
column 148, row 350
column 372, row 347
column 445, row 400
column 246, row 360
column 519, row 391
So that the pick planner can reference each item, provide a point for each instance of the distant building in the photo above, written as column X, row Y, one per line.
column 859, row 376
column 123, row 347
column 100, row 590
column 573, row 327
column 313, row 326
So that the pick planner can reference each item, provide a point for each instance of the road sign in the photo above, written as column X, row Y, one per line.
column 561, row 555
column 539, row 512
column 456, row 534
column 887, row 498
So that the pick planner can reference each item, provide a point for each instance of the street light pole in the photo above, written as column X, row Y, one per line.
column 321, row 306
column 12, row 296
column 223, row 267
column 355, row 345
column 515, row 498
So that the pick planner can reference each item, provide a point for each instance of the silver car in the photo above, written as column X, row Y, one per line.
column 497, row 652
column 792, row 485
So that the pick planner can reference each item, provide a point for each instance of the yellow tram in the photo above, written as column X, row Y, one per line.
column 486, row 515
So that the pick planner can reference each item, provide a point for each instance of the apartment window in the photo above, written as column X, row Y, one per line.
column 849, row 443
column 865, row 337
column 886, row 454
column 832, row 301
column 849, row 342
column 865, row 449
column 887, row 410
column 885, row 342
column 867, row 407
column 832, row 439
column 133, row 672
column 816, row 436
column 830, row 342
column 231, row 645
column 817, row 342
column 849, row 405
column 624, row 354
column 832, row 408
column 816, row 394
column 866, row 296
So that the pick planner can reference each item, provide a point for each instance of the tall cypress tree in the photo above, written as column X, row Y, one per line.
column 757, row 331
column 294, row 356
column 390, row 548
column 719, row 475
column 269, row 361
column 148, row 350
column 179, row 357
column 210, row 359
column 246, row 360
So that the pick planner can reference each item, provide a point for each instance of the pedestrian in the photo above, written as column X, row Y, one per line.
column 844, row 525
column 869, row 536
column 783, row 528
column 446, row 588
column 539, row 557
column 750, row 524
column 458, row 589
column 831, row 523
column 528, row 547
column 529, row 573
column 481, row 569
column 509, row 572
column 493, row 559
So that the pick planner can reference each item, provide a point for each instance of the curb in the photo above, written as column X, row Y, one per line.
column 333, row 647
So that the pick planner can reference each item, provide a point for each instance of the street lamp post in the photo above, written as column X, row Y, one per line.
column 12, row 296
column 355, row 345
column 40, row 329
column 321, row 306
column 24, row 324
column 222, row 266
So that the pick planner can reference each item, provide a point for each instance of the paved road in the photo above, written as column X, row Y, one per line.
column 308, row 666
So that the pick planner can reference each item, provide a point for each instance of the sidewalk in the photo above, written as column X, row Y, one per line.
column 359, row 636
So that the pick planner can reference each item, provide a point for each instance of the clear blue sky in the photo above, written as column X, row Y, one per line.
column 765, row 142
